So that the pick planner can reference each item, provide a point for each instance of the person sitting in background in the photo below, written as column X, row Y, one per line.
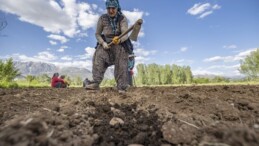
column 56, row 82
column 131, row 63
column 65, row 81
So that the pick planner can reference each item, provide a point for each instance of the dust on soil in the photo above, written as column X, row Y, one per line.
column 195, row 115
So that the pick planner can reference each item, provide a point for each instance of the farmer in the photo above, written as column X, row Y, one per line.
column 131, row 64
column 56, row 82
column 109, row 27
column 66, row 83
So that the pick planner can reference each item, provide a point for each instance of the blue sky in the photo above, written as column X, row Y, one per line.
column 211, row 36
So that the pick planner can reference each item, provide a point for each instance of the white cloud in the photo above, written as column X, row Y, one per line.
column 243, row 54
column 60, row 38
column 183, row 49
column 203, row 10
column 230, row 46
column 234, row 58
column 219, row 70
column 224, row 66
column 182, row 62
column 62, row 48
column 141, row 59
column 206, row 72
column 51, row 17
column 44, row 56
column 205, row 14
column 52, row 42
column 66, row 58
column 67, row 18
column 142, row 55
column 79, row 64
column 89, row 52
column 133, row 16
column 86, row 17
column 94, row 6
column 215, row 7
column 147, row 14
column 198, row 8
column 47, row 57
column 54, row 17
column 215, row 58
column 143, row 52
column 141, row 33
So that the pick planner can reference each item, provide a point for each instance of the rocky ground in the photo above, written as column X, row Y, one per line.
column 157, row 116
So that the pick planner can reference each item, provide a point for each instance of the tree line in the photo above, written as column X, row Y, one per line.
column 154, row 74
column 151, row 74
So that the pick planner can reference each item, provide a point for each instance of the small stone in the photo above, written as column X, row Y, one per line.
column 144, row 127
column 2, row 93
column 166, row 145
column 135, row 145
column 117, row 112
column 256, row 126
column 140, row 137
column 115, row 121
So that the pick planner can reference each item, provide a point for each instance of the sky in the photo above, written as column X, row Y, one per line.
column 210, row 36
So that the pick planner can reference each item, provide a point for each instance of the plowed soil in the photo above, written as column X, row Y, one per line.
column 157, row 116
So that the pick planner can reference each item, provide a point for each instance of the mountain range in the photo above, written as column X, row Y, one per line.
column 39, row 68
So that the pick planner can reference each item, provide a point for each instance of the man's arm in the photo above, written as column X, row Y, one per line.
column 99, row 30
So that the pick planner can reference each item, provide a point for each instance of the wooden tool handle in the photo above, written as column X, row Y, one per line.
column 139, row 22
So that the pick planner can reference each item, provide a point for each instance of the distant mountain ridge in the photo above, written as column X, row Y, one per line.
column 39, row 68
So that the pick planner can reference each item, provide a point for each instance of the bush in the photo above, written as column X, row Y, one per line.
column 8, row 85
column 7, row 71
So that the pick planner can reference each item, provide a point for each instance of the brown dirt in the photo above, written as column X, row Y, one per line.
column 196, row 115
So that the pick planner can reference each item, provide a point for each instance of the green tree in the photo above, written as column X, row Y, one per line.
column 8, row 71
column 78, row 81
column 141, row 76
column 44, row 78
column 219, row 79
column 153, row 74
column 188, row 74
column 68, row 79
column 201, row 80
column 250, row 65
column 30, row 78
column 182, row 75
column 176, row 77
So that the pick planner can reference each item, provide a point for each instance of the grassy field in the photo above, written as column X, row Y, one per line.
column 44, row 85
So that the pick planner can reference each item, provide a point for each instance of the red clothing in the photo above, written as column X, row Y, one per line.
column 131, row 72
column 55, row 80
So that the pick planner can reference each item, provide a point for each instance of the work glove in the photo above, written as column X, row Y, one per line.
column 105, row 45
column 116, row 40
